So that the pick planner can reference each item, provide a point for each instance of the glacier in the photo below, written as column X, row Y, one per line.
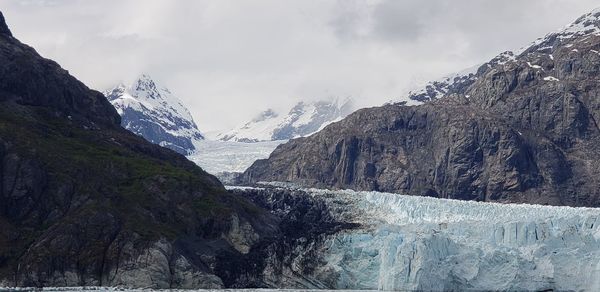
column 218, row 157
column 420, row 243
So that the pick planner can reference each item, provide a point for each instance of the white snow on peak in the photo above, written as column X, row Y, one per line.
column 146, row 91
column 586, row 25
column 550, row 78
column 152, row 111
column 452, row 82
column 440, row 87
column 304, row 119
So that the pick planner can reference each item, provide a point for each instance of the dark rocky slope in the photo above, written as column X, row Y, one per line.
column 85, row 202
column 524, row 131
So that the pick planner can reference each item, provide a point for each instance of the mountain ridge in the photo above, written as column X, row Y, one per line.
column 455, row 82
column 522, row 129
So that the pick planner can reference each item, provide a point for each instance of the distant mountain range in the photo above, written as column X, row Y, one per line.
column 153, row 112
column 301, row 120
column 150, row 110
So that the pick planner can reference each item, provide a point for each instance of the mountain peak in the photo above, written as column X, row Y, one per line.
column 586, row 24
column 303, row 119
column 146, row 87
column 3, row 27
column 153, row 112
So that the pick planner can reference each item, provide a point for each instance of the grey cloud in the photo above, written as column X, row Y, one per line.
column 403, row 20
column 228, row 60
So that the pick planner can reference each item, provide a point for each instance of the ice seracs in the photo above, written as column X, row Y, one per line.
column 410, row 243
column 153, row 112
column 303, row 119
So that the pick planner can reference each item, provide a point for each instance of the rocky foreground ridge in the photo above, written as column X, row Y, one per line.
column 85, row 202
column 523, row 128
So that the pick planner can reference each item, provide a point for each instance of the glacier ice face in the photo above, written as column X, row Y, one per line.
column 418, row 243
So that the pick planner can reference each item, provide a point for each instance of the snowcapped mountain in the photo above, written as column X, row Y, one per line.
column 153, row 112
column 455, row 83
column 586, row 25
column 303, row 119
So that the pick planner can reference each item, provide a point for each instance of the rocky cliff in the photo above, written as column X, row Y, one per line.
column 85, row 202
column 521, row 130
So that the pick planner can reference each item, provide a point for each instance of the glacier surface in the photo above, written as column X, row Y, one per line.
column 419, row 243
column 227, row 156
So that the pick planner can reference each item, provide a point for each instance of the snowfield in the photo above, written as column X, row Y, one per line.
column 223, row 156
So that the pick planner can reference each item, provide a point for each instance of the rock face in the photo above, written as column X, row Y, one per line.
column 302, row 120
column 524, row 130
column 85, row 202
column 153, row 112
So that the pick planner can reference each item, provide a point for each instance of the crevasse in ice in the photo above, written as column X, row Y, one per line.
column 437, row 244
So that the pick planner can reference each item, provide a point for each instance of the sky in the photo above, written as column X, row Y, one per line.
column 229, row 60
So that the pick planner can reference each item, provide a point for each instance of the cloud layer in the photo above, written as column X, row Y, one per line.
column 227, row 60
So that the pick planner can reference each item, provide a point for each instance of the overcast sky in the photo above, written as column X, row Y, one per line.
column 229, row 60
